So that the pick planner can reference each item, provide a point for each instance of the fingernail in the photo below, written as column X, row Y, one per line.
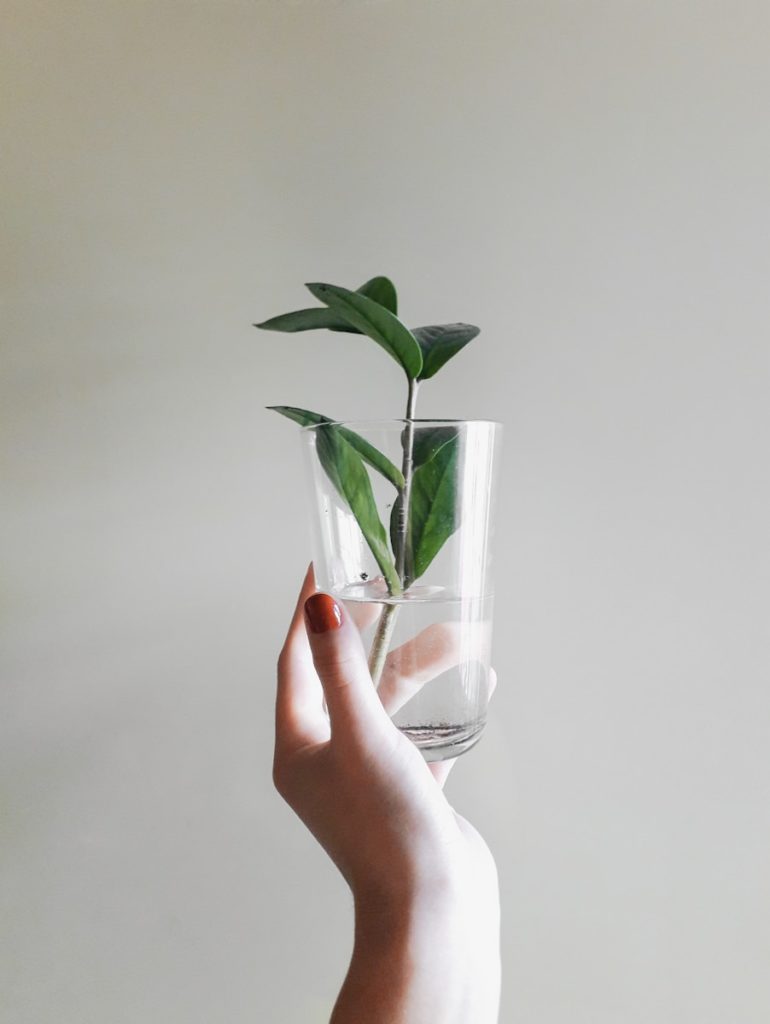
column 322, row 613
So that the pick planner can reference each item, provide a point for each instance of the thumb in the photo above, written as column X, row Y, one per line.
column 339, row 659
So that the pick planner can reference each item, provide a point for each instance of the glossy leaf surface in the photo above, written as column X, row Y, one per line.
column 382, row 290
column 378, row 289
column 433, row 512
column 373, row 456
column 439, row 343
column 347, row 472
column 374, row 320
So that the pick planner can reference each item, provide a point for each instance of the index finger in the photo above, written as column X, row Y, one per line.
column 299, row 714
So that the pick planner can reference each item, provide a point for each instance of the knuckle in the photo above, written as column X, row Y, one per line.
column 337, row 667
column 282, row 663
column 282, row 776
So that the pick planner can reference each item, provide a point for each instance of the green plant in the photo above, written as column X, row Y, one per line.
column 423, row 515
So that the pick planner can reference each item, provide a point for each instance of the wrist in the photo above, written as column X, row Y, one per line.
column 407, row 914
column 427, row 944
column 407, row 963
column 422, row 956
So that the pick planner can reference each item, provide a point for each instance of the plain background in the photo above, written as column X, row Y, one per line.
column 586, row 180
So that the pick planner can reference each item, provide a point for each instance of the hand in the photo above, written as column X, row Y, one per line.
column 423, row 881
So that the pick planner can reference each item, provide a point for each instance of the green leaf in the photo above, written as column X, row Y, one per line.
column 346, row 470
column 379, row 289
column 304, row 417
column 373, row 456
column 376, row 321
column 440, row 342
column 433, row 511
column 315, row 319
column 395, row 541
column 428, row 440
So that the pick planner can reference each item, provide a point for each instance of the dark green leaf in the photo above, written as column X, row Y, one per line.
column 440, row 342
column 374, row 320
column 379, row 289
column 428, row 440
column 302, row 416
column 315, row 319
column 382, row 290
column 395, row 540
column 305, row 320
column 433, row 512
column 346, row 470
column 367, row 451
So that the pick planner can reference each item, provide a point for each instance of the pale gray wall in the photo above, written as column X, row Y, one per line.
column 589, row 182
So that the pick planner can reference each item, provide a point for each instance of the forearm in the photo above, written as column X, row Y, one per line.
column 421, row 963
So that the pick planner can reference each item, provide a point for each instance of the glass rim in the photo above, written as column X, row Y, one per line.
column 400, row 420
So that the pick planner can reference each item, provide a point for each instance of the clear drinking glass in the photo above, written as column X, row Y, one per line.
column 427, row 620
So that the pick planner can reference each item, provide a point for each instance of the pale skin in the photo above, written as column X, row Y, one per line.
column 424, row 883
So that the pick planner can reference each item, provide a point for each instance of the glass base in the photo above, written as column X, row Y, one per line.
column 441, row 742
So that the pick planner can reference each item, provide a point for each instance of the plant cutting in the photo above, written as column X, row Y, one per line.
column 421, row 478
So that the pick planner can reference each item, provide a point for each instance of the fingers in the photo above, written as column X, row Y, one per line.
column 440, row 770
column 409, row 667
column 299, row 715
column 340, row 661
column 438, row 648
column 492, row 682
column 363, row 613
column 323, row 656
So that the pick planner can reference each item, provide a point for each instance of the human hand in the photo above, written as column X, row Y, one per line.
column 423, row 881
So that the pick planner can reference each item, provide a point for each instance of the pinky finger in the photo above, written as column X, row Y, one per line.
column 440, row 770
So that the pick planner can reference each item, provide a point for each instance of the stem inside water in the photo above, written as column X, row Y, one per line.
column 389, row 614
column 381, row 641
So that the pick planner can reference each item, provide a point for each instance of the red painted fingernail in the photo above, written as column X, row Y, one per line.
column 322, row 613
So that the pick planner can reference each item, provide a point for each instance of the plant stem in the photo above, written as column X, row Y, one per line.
column 407, row 470
column 387, row 622
column 381, row 641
